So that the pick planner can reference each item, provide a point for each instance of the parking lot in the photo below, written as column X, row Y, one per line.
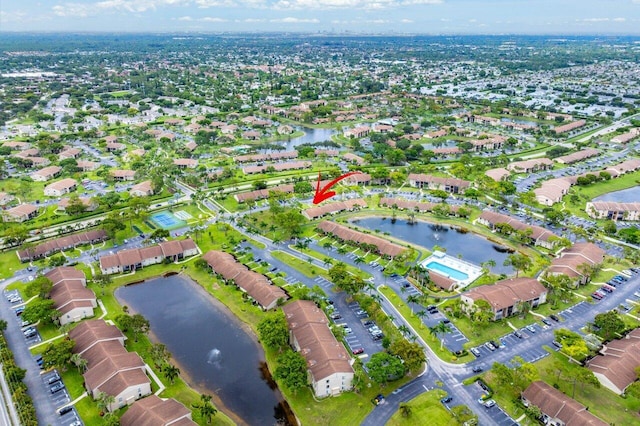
column 454, row 340
column 496, row 413
column 510, row 339
column 577, row 310
column 352, row 316
column 58, row 394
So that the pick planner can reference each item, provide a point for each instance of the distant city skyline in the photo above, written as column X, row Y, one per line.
column 356, row 16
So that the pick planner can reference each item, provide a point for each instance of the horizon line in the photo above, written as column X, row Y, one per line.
column 318, row 32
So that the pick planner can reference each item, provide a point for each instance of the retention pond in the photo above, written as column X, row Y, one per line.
column 458, row 243
column 215, row 351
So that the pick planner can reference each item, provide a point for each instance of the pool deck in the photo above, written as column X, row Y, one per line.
column 472, row 271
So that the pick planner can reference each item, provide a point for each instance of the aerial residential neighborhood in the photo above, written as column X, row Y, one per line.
column 319, row 228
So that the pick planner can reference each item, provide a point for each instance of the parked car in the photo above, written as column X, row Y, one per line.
column 336, row 316
column 490, row 346
column 379, row 399
column 554, row 317
column 489, row 403
column 57, row 387
column 546, row 321
column 531, row 328
column 476, row 369
column 557, row 344
column 53, row 379
column 447, row 399
column 358, row 351
column 65, row 410
column 475, row 351
column 517, row 334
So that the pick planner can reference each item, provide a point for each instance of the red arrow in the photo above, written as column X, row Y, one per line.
column 324, row 193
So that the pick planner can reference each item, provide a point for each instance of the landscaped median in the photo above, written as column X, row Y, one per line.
column 419, row 327
column 428, row 406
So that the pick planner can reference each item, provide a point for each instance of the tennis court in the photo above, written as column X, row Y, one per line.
column 166, row 220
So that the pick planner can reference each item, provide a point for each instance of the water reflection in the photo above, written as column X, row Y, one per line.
column 468, row 246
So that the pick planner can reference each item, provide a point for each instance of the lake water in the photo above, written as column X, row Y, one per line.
column 209, row 344
column 311, row 135
column 470, row 247
column 519, row 121
column 629, row 195
column 449, row 143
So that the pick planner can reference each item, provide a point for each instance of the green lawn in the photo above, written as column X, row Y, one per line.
column 322, row 257
column 347, row 409
column 304, row 267
column 602, row 402
column 425, row 409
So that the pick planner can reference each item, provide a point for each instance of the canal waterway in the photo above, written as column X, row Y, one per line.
column 466, row 245
column 215, row 351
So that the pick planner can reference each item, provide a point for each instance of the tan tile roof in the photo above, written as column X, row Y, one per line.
column 102, row 350
column 618, row 360
column 537, row 232
column 61, row 273
column 384, row 247
column 47, row 171
column 61, row 243
column 255, row 285
column 557, row 405
column 102, row 371
column 324, row 354
column 22, row 210
column 153, row 411
column 124, row 379
column 315, row 212
column 89, row 332
column 419, row 177
column 506, row 293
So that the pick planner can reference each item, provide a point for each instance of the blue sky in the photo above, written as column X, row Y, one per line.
column 362, row 16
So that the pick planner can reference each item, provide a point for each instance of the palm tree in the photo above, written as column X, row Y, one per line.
column 404, row 330
column 358, row 260
column 421, row 314
column 413, row 298
column 441, row 328
column 206, row 409
column 171, row 372
column 376, row 297
column 104, row 402
column 78, row 361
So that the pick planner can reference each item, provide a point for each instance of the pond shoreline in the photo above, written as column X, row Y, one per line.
column 190, row 378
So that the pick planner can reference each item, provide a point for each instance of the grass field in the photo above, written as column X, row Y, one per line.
column 425, row 408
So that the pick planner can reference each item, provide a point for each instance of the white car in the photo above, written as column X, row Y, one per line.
column 348, row 330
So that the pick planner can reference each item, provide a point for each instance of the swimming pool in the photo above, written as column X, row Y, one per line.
column 448, row 271
column 166, row 220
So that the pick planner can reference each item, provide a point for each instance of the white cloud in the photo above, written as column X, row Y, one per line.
column 212, row 19
column 344, row 4
column 407, row 21
column 185, row 18
column 252, row 20
column 96, row 8
column 602, row 20
column 254, row 4
column 292, row 20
